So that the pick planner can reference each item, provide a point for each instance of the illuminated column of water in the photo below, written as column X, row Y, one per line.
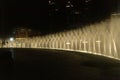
column 53, row 43
column 33, row 43
column 110, row 48
column 26, row 43
column 55, row 38
column 98, row 43
column 36, row 42
column 115, row 31
column 15, row 42
column 85, row 47
column 71, row 39
column 58, row 46
column 68, row 43
column 47, row 43
column 23, row 45
column 12, row 44
column 40, row 43
column 9, row 44
column 44, row 42
column 115, row 49
column 80, row 45
column 62, row 46
column 64, row 43
column 75, row 42
column 30, row 43
column 0, row 44
column 57, row 43
column 101, row 44
column 64, row 40
column 89, row 36
column 60, row 41
column 89, row 45
column 29, row 46
column 94, row 46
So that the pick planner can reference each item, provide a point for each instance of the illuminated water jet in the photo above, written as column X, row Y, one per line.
column 99, row 39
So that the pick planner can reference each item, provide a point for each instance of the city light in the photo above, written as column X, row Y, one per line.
column 69, row 4
column 11, row 39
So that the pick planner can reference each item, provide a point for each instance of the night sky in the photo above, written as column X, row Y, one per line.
column 53, row 15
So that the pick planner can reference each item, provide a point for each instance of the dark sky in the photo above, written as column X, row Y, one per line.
column 52, row 16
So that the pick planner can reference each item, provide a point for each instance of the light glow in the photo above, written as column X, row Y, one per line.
column 11, row 39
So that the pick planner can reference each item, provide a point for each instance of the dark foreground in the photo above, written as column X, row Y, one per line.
column 35, row 64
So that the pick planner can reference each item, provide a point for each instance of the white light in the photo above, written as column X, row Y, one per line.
column 11, row 39
column 67, row 6
column 68, row 43
column 98, row 41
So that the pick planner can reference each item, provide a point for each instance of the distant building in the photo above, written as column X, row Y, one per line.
column 24, row 33
column 115, row 15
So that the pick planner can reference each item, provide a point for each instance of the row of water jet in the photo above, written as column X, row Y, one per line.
column 100, row 39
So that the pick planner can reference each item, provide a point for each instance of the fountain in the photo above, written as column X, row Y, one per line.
column 99, row 39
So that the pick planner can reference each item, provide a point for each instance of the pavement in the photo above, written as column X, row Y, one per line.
column 44, row 64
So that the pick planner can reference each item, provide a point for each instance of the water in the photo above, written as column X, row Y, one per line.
column 99, row 39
